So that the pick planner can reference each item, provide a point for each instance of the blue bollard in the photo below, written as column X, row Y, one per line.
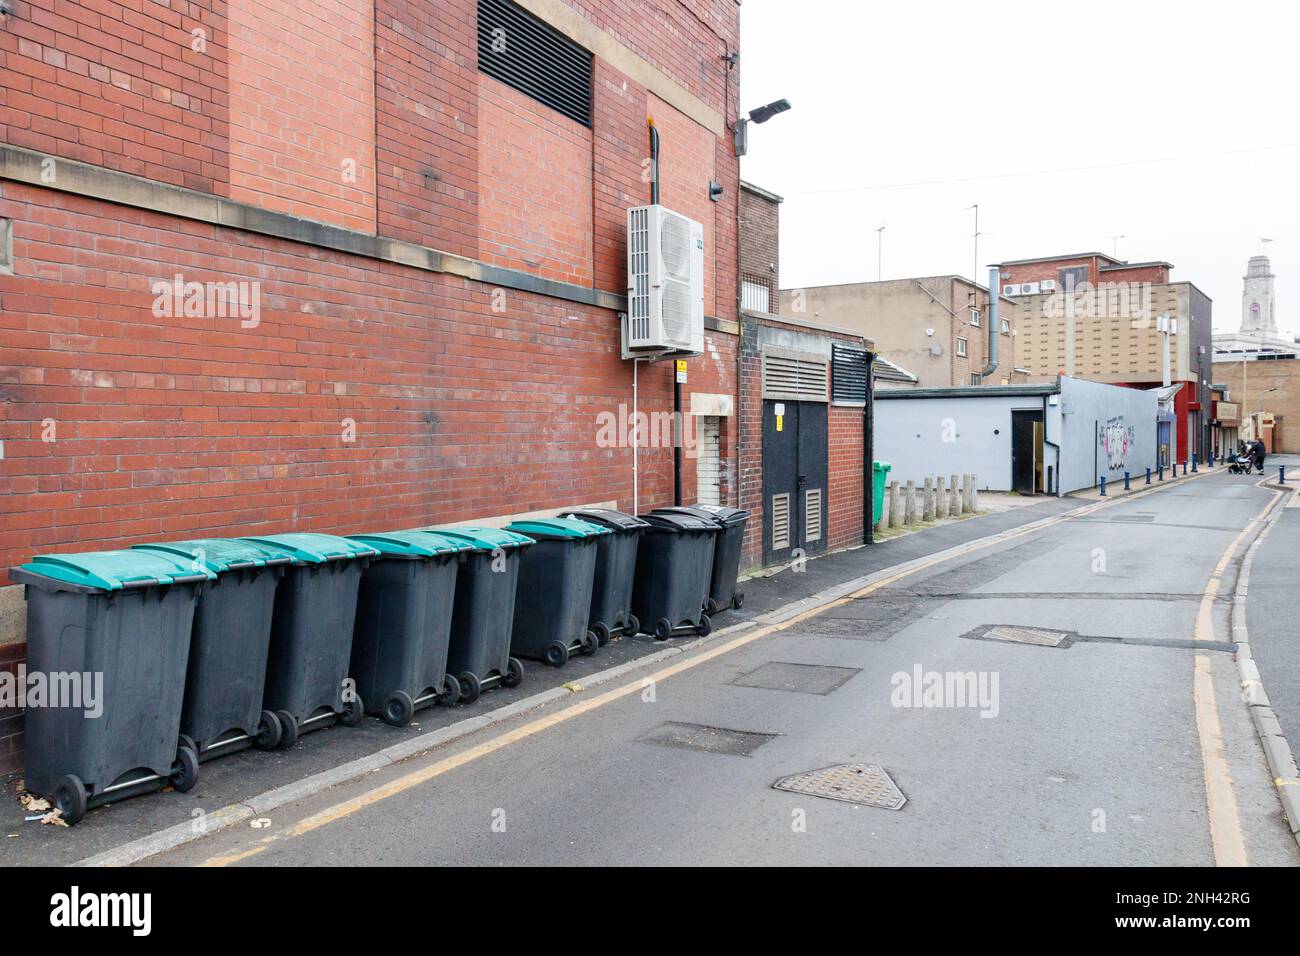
column 1211, row 462
column 1126, row 487
column 1193, row 464
column 1162, row 471
column 1102, row 480
column 1281, row 474
column 1184, row 468
column 1148, row 475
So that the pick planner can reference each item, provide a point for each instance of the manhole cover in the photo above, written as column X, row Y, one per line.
column 1025, row 635
column 714, row 740
column 865, row 784
column 797, row 678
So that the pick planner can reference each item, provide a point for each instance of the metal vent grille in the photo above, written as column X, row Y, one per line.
column 812, row 514
column 780, row 522
column 795, row 376
column 638, row 304
column 849, row 375
column 523, row 52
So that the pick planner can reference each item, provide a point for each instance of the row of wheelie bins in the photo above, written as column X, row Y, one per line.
column 209, row 646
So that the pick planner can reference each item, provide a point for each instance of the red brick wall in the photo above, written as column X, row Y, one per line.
column 426, row 122
column 535, row 198
column 1156, row 275
column 760, row 226
column 11, row 719
column 1038, row 271
column 120, row 85
column 302, row 109
column 845, row 425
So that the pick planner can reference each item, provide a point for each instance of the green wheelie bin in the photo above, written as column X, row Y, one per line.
column 307, row 670
column 111, row 632
column 228, row 648
column 556, row 577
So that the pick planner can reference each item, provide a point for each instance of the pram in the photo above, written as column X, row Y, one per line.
column 1242, row 464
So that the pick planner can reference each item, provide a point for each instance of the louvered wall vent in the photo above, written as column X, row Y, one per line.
column 812, row 514
column 795, row 376
column 780, row 522
column 523, row 52
column 849, row 371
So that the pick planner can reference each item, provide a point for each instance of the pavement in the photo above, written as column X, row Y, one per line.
column 1116, row 747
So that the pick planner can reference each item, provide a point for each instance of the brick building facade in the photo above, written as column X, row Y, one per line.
column 408, row 272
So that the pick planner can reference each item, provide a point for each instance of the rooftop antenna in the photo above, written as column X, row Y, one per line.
column 880, row 255
column 1114, row 245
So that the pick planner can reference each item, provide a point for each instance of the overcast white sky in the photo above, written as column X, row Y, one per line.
column 1190, row 109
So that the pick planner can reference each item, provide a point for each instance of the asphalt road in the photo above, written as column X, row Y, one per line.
column 1093, row 752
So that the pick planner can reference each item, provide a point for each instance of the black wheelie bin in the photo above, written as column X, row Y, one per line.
column 110, row 632
column 555, row 581
column 226, row 676
column 674, row 565
column 399, row 646
column 484, row 610
column 307, row 669
column 611, row 592
column 726, row 553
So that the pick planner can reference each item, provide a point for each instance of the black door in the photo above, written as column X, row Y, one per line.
column 1024, row 451
column 795, row 472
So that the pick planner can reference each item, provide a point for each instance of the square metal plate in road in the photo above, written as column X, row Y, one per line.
column 797, row 678
column 867, row 785
column 714, row 740
column 1026, row 635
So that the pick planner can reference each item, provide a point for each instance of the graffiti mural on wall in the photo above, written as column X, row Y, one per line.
column 1116, row 438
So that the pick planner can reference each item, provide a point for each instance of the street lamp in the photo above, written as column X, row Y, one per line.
column 760, row 115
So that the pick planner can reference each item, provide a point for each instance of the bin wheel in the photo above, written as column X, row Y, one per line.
column 288, row 729
column 269, row 732
column 398, row 708
column 557, row 654
column 470, row 687
column 353, row 711
column 737, row 600
column 704, row 627
column 710, row 606
column 70, row 798
column 663, row 629
column 601, row 630
column 633, row 627
column 588, row 644
column 185, row 770
column 514, row 675
column 185, row 740
column 450, row 694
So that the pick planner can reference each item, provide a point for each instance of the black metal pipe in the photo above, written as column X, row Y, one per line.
column 654, row 164
column 680, row 436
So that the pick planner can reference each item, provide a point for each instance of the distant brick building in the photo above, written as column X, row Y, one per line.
column 1095, row 317
column 273, row 272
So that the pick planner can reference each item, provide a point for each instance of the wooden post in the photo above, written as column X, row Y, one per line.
column 927, row 513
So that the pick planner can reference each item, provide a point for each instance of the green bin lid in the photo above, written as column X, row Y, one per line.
column 557, row 528
column 413, row 544
column 487, row 539
column 305, row 547
column 881, row 466
column 115, row 570
column 220, row 554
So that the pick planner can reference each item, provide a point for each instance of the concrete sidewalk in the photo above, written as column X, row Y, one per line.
column 240, row 778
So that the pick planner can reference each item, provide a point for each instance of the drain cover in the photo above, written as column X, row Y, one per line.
column 1025, row 635
column 865, row 784
column 714, row 740
column 797, row 678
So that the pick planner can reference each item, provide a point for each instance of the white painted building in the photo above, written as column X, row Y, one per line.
column 1050, row 438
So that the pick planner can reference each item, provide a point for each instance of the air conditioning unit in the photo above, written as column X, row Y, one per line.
column 1029, row 288
column 1047, row 285
column 665, row 281
column 1011, row 289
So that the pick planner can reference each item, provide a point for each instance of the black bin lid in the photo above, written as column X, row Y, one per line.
column 718, row 514
column 679, row 522
column 609, row 518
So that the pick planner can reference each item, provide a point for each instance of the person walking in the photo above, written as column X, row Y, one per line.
column 1258, row 452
